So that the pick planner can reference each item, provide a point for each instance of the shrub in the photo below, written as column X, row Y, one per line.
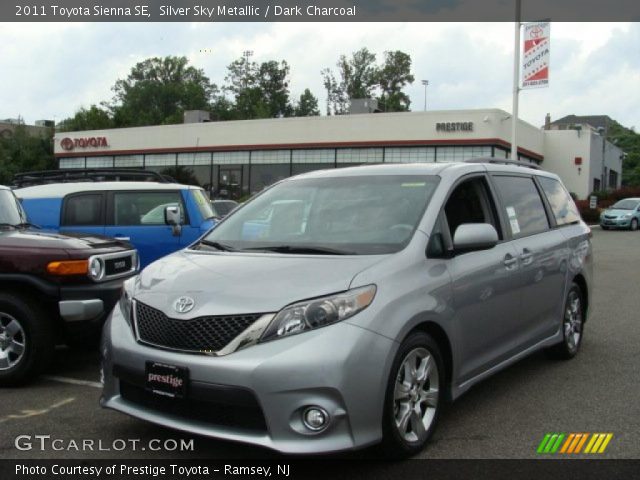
column 589, row 215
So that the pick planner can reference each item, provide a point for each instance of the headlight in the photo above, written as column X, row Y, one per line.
column 126, row 299
column 628, row 215
column 96, row 268
column 319, row 312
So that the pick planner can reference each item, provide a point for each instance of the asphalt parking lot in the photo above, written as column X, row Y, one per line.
column 504, row 417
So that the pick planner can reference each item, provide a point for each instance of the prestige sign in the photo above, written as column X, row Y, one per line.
column 86, row 142
column 454, row 127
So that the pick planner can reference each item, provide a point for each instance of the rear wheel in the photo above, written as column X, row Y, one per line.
column 572, row 325
column 26, row 339
column 414, row 396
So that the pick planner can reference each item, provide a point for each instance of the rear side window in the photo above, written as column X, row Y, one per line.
column 143, row 208
column 522, row 205
column 85, row 209
column 561, row 202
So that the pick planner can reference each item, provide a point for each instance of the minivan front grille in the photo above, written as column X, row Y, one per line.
column 197, row 335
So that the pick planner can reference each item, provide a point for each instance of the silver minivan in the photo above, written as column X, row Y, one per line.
column 341, row 308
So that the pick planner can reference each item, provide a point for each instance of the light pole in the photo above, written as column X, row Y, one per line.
column 425, row 83
column 246, row 54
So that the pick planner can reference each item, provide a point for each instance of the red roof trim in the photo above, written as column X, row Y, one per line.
column 279, row 146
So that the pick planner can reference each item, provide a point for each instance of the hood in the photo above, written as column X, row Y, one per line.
column 241, row 283
column 618, row 212
column 30, row 238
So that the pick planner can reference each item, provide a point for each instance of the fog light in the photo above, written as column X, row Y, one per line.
column 315, row 418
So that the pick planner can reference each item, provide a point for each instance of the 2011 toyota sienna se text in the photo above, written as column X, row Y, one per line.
column 342, row 308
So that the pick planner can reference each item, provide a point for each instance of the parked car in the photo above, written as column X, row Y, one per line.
column 622, row 214
column 157, row 218
column 374, row 295
column 222, row 208
column 52, row 288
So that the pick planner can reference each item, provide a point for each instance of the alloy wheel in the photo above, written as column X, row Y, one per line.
column 416, row 395
column 12, row 341
column 573, row 321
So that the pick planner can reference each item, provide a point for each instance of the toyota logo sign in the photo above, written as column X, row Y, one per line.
column 66, row 143
column 87, row 142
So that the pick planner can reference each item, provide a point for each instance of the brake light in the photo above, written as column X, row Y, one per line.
column 68, row 267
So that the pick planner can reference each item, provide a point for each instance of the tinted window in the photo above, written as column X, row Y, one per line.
column 143, row 208
column 561, row 202
column 470, row 202
column 523, row 208
column 85, row 209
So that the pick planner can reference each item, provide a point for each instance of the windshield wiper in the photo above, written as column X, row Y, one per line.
column 301, row 249
column 28, row 225
column 219, row 246
column 8, row 225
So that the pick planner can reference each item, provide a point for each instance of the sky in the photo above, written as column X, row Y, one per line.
column 50, row 70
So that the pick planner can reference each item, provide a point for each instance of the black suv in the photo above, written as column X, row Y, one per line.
column 53, row 288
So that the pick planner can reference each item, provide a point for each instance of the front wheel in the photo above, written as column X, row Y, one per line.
column 413, row 397
column 26, row 339
column 572, row 326
column 634, row 224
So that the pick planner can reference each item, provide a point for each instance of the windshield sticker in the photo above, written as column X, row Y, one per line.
column 511, row 212
column 515, row 227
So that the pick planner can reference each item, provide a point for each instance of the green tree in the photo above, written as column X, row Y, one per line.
column 307, row 106
column 181, row 174
column 259, row 90
column 359, row 76
column 629, row 141
column 158, row 91
column 23, row 152
column 393, row 76
column 93, row 118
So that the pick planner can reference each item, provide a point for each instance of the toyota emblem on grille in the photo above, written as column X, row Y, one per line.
column 184, row 304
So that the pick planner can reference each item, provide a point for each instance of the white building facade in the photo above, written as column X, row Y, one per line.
column 242, row 157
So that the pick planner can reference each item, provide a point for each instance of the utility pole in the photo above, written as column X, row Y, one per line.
column 516, row 85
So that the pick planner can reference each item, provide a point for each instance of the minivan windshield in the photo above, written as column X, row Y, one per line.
column 11, row 212
column 349, row 215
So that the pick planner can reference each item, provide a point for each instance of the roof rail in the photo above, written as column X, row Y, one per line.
column 29, row 179
column 502, row 161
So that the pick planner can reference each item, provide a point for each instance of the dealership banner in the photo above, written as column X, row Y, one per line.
column 535, row 55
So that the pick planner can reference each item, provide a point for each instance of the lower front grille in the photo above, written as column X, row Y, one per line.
column 198, row 335
column 246, row 416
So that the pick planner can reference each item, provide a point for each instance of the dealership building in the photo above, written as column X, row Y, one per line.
column 237, row 158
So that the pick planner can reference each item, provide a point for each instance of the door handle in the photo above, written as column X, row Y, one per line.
column 126, row 239
column 510, row 262
column 526, row 257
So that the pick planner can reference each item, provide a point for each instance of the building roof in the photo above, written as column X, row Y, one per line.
column 596, row 121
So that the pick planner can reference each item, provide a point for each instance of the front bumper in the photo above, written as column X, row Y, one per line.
column 616, row 223
column 341, row 368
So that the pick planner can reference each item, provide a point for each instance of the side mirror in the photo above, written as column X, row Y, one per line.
column 172, row 215
column 474, row 236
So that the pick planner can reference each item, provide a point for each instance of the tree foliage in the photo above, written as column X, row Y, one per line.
column 157, row 91
column 93, row 118
column 629, row 141
column 23, row 152
column 359, row 77
column 307, row 105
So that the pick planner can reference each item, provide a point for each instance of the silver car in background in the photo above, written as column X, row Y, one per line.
column 341, row 308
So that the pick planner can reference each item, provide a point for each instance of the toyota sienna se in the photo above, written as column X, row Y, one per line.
column 342, row 308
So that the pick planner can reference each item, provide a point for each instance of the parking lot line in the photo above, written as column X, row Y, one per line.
column 73, row 381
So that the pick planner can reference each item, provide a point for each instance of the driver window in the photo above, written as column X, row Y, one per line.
column 470, row 202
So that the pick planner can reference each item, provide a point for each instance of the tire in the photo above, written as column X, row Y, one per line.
column 572, row 326
column 26, row 339
column 406, row 434
column 604, row 228
column 634, row 225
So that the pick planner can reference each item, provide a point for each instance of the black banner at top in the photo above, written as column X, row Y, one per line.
column 315, row 11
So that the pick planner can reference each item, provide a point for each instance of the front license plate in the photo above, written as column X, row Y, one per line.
column 166, row 380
